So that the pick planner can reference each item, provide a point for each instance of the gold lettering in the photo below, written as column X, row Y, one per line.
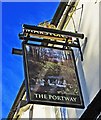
column 36, row 95
column 62, row 98
column 54, row 97
column 41, row 33
column 73, row 99
column 66, row 98
column 58, row 97
column 43, row 96
column 45, row 34
column 36, row 32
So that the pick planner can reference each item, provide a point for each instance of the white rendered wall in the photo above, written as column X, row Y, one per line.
column 39, row 111
column 42, row 111
column 90, row 27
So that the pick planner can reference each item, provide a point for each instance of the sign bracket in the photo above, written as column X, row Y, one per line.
column 49, row 52
column 68, row 42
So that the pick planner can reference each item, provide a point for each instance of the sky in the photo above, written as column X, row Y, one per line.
column 14, row 14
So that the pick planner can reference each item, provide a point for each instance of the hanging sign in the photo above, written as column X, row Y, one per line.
column 51, row 76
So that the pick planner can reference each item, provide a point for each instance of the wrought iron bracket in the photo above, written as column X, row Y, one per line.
column 52, row 36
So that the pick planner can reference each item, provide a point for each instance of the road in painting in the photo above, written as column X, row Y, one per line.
column 51, row 74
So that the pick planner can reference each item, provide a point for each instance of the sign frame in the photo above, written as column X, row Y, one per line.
column 26, row 71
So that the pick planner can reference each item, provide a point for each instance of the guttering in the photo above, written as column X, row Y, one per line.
column 66, row 14
column 93, row 109
column 59, row 12
column 61, row 17
column 70, row 11
column 16, row 102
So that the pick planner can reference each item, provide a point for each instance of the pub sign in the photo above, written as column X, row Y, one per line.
column 51, row 76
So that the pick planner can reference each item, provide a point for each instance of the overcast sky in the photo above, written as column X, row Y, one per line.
column 14, row 14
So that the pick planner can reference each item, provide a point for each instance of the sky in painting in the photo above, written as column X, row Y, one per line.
column 14, row 14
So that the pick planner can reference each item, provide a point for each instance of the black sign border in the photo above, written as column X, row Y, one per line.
column 27, row 81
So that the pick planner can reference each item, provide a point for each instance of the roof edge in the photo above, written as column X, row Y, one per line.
column 20, row 94
column 59, row 13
